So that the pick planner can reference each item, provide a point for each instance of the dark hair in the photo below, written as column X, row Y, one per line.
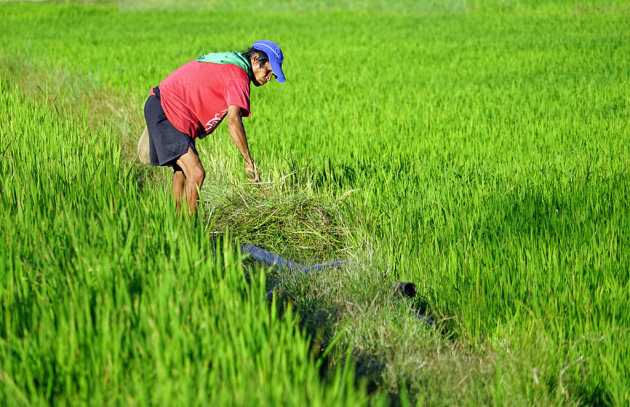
column 263, row 58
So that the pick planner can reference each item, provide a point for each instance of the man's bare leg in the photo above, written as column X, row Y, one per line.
column 179, row 187
column 194, row 174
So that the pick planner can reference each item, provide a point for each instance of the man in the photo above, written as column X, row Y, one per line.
column 193, row 100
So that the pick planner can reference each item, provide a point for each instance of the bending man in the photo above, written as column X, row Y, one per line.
column 193, row 100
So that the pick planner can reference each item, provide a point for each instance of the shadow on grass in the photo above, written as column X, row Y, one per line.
column 357, row 311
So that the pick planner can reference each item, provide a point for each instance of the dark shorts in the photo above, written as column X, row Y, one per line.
column 166, row 143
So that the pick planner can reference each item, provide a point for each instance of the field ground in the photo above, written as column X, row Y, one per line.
column 478, row 149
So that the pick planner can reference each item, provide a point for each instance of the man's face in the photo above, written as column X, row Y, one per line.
column 264, row 74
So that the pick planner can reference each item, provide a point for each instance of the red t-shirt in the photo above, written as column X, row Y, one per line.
column 196, row 96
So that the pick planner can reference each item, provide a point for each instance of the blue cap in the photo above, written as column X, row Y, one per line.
column 274, row 53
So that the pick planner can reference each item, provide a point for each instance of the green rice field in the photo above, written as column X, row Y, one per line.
column 479, row 149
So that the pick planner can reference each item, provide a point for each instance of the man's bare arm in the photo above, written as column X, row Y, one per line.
column 237, row 132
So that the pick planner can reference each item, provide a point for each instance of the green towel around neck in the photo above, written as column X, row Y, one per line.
column 233, row 58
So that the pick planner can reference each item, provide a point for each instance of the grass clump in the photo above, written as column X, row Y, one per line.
column 290, row 220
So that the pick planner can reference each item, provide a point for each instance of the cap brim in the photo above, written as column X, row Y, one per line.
column 277, row 70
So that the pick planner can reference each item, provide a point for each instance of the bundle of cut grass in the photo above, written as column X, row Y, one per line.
column 291, row 221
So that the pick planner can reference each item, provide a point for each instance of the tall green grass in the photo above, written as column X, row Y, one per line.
column 108, row 297
column 479, row 149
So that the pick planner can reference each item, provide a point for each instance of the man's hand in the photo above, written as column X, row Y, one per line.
column 237, row 132
column 253, row 174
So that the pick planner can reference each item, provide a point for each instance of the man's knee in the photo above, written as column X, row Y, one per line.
column 198, row 175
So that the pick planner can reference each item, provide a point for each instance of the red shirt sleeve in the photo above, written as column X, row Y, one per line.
column 237, row 93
